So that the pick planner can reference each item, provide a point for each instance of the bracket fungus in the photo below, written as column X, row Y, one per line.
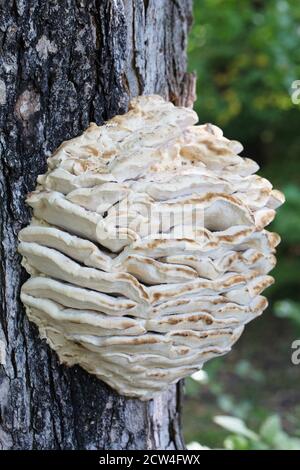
column 147, row 250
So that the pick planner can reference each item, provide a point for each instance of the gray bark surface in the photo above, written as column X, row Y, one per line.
column 63, row 64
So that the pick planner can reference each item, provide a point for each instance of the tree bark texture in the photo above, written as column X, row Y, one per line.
column 63, row 64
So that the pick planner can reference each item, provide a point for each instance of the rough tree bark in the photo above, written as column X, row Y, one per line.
column 63, row 64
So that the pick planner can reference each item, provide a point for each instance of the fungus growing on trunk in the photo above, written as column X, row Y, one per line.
column 147, row 250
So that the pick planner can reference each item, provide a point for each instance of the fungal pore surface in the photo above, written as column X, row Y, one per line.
column 147, row 250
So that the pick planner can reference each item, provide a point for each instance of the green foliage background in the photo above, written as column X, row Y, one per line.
column 246, row 54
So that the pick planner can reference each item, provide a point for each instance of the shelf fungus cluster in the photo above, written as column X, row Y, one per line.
column 147, row 250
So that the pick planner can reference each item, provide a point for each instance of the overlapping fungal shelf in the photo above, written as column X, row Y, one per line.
column 112, row 286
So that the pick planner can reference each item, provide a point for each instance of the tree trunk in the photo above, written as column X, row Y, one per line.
column 63, row 64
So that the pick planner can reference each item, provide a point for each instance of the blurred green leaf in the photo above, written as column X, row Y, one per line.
column 270, row 429
column 235, row 442
column 236, row 426
column 271, row 435
column 288, row 309
column 245, row 369
column 196, row 446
